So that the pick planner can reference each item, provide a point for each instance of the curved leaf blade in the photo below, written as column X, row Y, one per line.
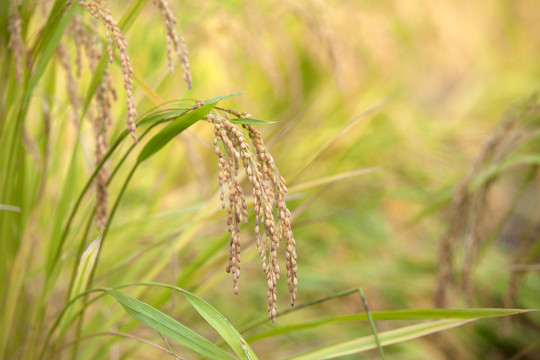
column 250, row 121
column 386, row 338
column 413, row 314
column 172, row 130
column 169, row 327
column 222, row 326
column 218, row 98
column 178, row 125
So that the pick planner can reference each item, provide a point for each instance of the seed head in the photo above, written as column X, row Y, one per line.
column 174, row 41
column 268, row 198
column 98, row 9
column 16, row 44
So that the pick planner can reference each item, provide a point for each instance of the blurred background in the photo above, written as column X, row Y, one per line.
column 380, row 109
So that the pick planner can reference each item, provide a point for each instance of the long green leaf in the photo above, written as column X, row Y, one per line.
column 50, row 43
column 417, row 314
column 169, row 327
column 84, row 268
column 221, row 97
column 177, row 126
column 249, row 121
column 222, row 326
column 386, row 338
column 170, row 131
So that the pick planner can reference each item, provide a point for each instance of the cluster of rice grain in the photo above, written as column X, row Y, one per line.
column 98, row 9
column 102, row 122
column 469, row 226
column 174, row 41
column 268, row 197
column 101, row 112
column 88, row 39
column 72, row 91
column 16, row 44
column 273, row 218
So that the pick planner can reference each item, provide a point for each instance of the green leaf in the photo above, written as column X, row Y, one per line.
column 53, row 34
column 182, row 122
column 94, row 82
column 450, row 318
column 250, row 121
column 416, row 314
column 173, row 129
column 218, row 98
column 169, row 327
column 222, row 326
column 84, row 269
column 386, row 338
column 52, row 263
column 161, row 115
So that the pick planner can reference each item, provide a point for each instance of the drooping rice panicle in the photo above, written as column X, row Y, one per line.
column 269, row 191
column 174, row 42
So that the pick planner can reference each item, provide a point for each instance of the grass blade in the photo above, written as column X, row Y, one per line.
column 84, row 269
column 177, row 126
column 169, row 327
column 417, row 314
column 218, row 98
column 386, row 338
column 222, row 326
column 372, row 324
column 170, row 131
column 249, row 121
column 50, row 41
column 85, row 266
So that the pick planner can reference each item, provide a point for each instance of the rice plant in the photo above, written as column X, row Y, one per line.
column 123, row 184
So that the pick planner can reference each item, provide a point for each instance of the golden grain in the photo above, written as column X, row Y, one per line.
column 99, row 11
column 174, row 41
column 269, row 191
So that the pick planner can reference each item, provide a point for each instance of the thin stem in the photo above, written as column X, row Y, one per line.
column 111, row 217
column 122, row 136
column 114, row 333
column 263, row 320
column 63, row 312
column 79, row 252
column 371, row 323
column 105, row 232
column 81, row 195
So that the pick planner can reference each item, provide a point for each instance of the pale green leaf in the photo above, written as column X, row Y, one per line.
column 386, row 338
column 222, row 326
column 170, row 131
column 249, row 121
column 169, row 327
column 416, row 314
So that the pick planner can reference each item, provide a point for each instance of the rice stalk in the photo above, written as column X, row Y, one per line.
column 469, row 213
column 72, row 89
column 16, row 44
column 98, row 9
column 174, row 41
column 268, row 198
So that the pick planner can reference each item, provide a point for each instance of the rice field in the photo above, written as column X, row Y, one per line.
column 269, row 180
